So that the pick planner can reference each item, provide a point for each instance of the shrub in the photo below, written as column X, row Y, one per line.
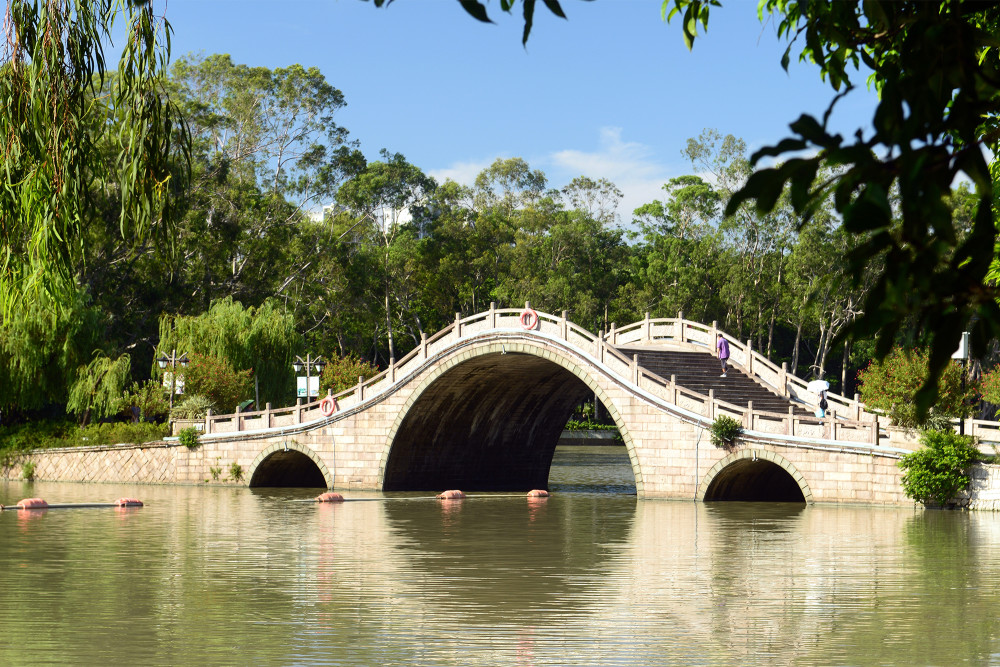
column 150, row 398
column 193, row 406
column 890, row 384
column 936, row 473
column 188, row 437
column 236, row 472
column 28, row 471
column 43, row 435
column 725, row 430
column 216, row 380
column 342, row 373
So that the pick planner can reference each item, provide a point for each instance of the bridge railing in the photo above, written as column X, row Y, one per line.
column 603, row 349
column 684, row 332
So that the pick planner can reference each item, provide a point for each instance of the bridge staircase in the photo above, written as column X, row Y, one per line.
column 699, row 372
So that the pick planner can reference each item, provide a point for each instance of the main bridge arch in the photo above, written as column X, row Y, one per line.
column 754, row 474
column 489, row 418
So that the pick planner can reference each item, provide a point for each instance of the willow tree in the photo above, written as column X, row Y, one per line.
column 58, row 146
column 263, row 339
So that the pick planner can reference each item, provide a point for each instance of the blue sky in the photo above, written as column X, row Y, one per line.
column 612, row 92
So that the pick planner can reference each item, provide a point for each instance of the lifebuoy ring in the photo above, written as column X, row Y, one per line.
column 529, row 319
column 327, row 406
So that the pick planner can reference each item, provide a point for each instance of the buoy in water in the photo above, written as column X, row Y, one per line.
column 31, row 503
column 538, row 493
column 128, row 502
column 453, row 494
column 329, row 497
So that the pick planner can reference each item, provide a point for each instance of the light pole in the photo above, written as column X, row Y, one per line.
column 309, row 363
column 172, row 361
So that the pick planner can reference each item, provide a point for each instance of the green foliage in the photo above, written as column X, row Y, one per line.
column 215, row 471
column 194, row 406
column 934, row 125
column 890, row 385
column 935, row 474
column 57, row 142
column 236, row 472
column 215, row 379
column 189, row 437
column 342, row 373
column 48, row 434
column 149, row 398
column 588, row 425
column 99, row 388
column 724, row 431
column 28, row 471
column 260, row 339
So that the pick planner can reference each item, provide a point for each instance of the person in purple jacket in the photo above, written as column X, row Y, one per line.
column 723, row 346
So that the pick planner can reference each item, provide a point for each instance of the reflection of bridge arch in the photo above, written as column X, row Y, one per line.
column 751, row 474
column 289, row 464
column 489, row 418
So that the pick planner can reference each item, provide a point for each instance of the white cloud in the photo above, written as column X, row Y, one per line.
column 463, row 173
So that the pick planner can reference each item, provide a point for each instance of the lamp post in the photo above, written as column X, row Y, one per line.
column 309, row 363
column 172, row 361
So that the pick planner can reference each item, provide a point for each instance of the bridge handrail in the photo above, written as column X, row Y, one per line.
column 561, row 327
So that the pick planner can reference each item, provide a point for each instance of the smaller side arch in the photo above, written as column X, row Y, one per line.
column 260, row 466
column 754, row 455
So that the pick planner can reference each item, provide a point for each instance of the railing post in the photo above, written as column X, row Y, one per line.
column 423, row 345
column 713, row 335
column 361, row 389
column 647, row 328
column 783, row 379
column 493, row 314
column 635, row 368
column 458, row 325
column 791, row 421
column 239, row 419
column 392, row 370
column 749, row 357
column 564, row 327
column 681, row 336
column 857, row 408
column 613, row 335
column 711, row 405
column 267, row 415
column 208, row 421
column 748, row 416
column 673, row 388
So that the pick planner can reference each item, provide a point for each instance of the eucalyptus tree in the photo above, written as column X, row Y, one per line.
column 380, row 202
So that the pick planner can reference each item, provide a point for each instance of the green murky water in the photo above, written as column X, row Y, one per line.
column 590, row 576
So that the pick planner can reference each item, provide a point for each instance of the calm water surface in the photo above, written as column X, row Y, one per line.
column 590, row 576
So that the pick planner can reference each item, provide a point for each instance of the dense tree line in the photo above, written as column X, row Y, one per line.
column 286, row 229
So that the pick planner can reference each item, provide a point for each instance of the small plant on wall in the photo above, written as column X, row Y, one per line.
column 725, row 431
column 28, row 471
column 188, row 437
column 236, row 472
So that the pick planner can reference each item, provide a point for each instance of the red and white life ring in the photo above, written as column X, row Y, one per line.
column 529, row 319
column 327, row 406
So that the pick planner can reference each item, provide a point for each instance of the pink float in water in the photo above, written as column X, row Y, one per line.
column 31, row 503
column 453, row 494
column 329, row 497
column 538, row 493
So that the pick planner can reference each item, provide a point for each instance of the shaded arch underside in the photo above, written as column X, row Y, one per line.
column 288, row 468
column 490, row 424
column 754, row 480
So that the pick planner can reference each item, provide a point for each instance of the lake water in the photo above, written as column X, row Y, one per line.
column 589, row 576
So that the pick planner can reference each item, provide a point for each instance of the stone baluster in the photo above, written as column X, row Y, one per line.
column 493, row 314
column 750, row 357
column 647, row 329
column 613, row 335
column 635, row 368
column 458, row 325
column 681, row 333
column 238, row 417
column 564, row 327
column 711, row 405
column 361, row 389
column 268, row 417
column 673, row 388
column 791, row 421
column 783, row 379
column 748, row 418
column 208, row 421
column 423, row 345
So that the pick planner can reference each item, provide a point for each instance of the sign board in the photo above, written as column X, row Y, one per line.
column 963, row 348
column 178, row 388
column 313, row 387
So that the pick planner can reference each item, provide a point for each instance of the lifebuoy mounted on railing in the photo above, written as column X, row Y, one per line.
column 328, row 406
column 529, row 319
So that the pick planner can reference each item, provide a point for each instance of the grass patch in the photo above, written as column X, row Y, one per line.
column 48, row 434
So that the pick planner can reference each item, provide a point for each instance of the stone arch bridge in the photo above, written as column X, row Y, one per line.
column 481, row 404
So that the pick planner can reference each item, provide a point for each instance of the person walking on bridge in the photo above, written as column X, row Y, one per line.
column 723, row 347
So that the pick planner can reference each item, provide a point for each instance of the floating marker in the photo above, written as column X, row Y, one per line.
column 329, row 497
column 40, row 504
column 128, row 502
column 453, row 494
column 31, row 503
column 538, row 493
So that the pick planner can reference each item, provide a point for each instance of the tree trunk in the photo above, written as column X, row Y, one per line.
column 795, row 349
